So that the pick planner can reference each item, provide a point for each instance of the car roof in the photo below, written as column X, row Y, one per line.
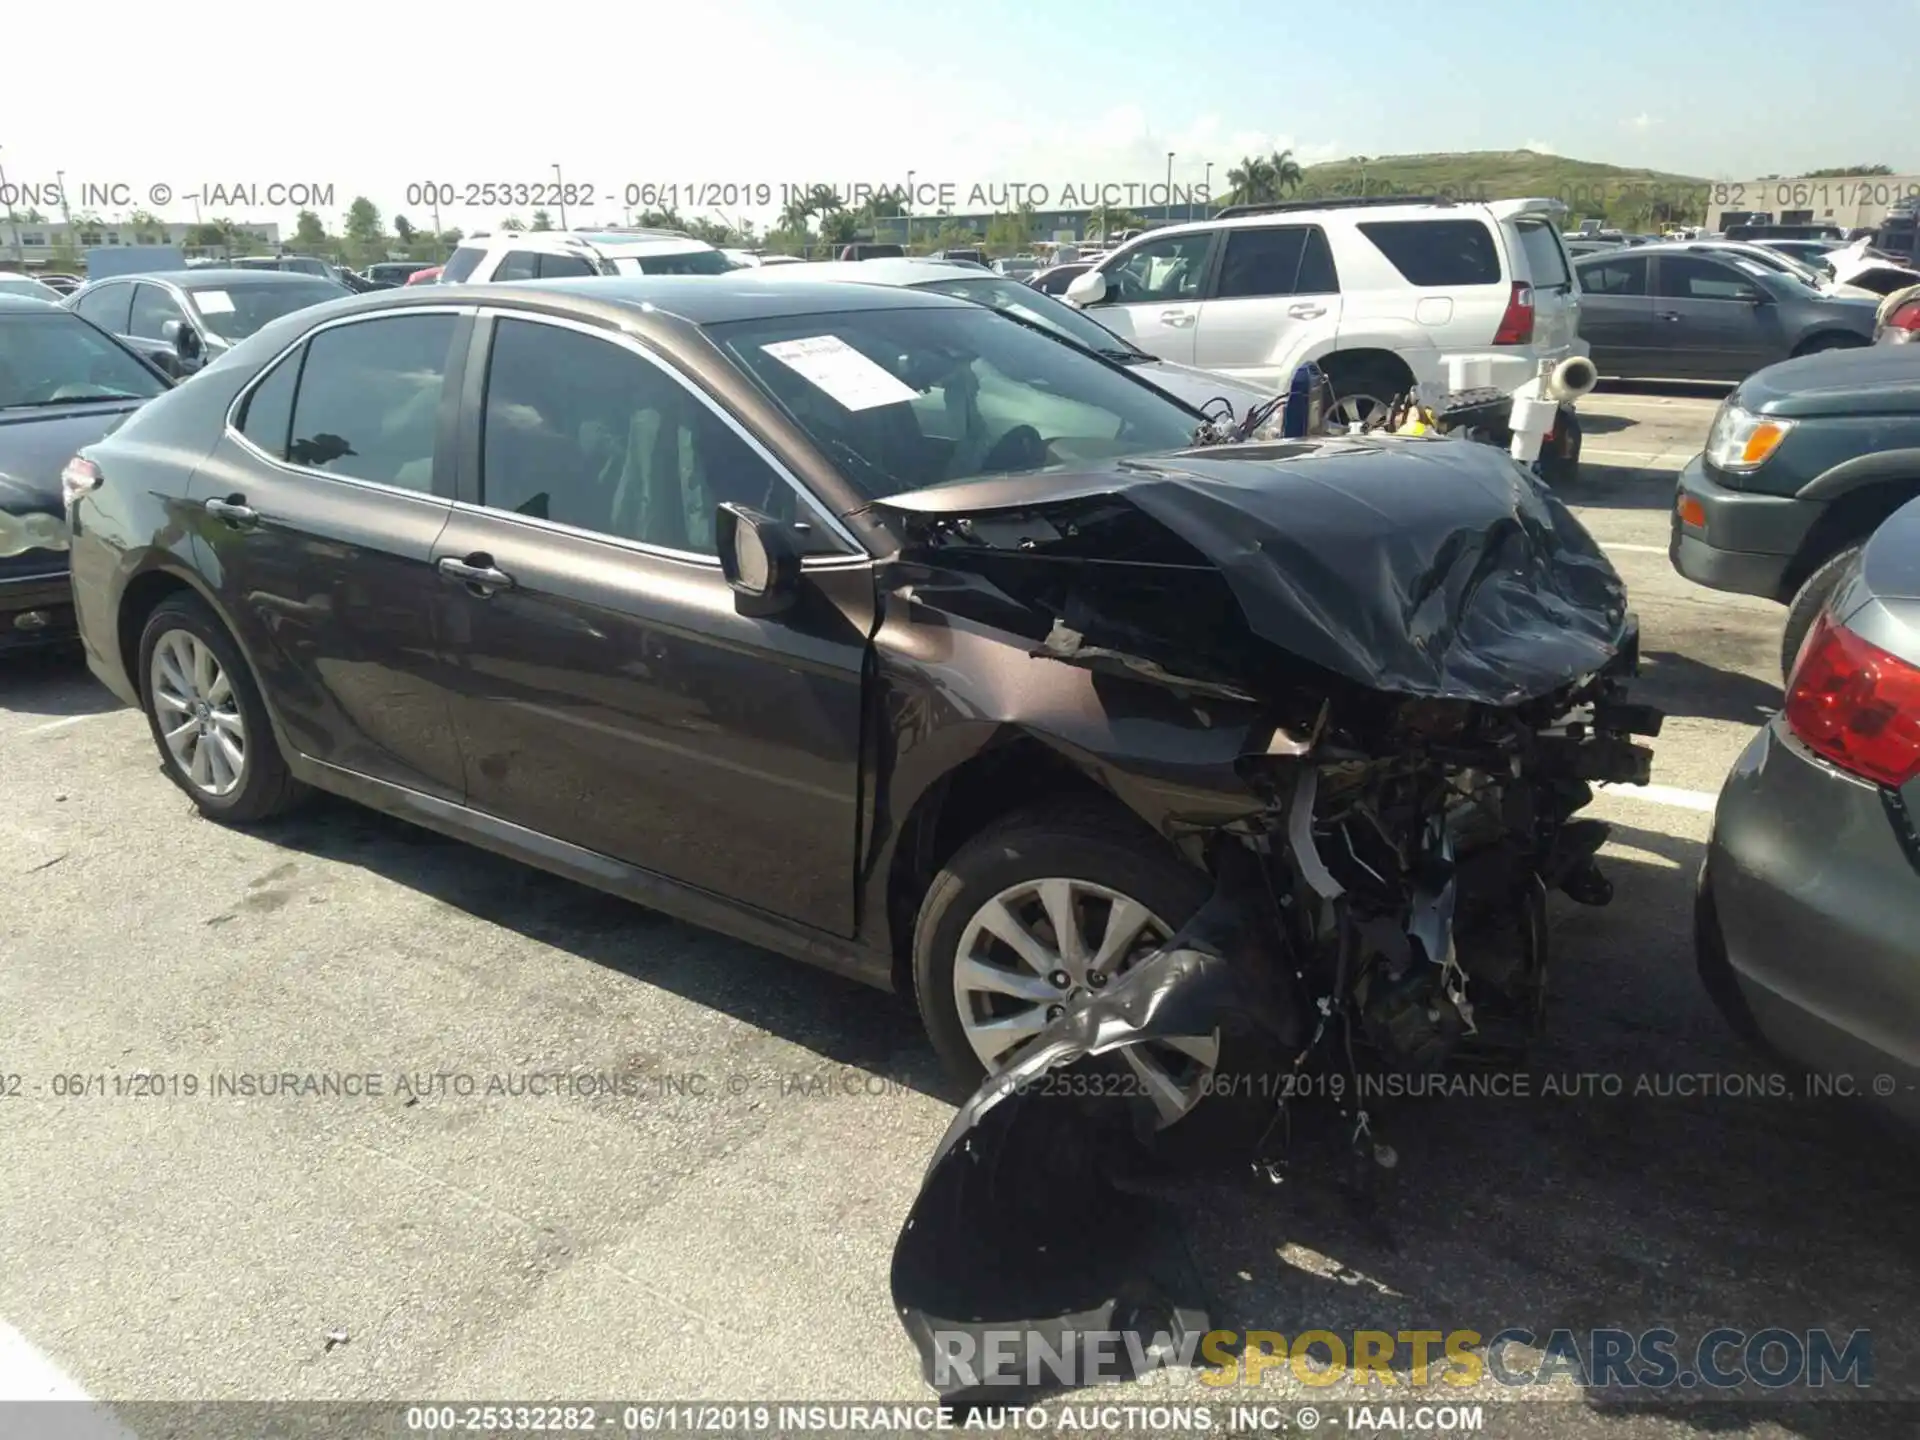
column 27, row 305
column 884, row 270
column 217, row 279
column 607, row 242
column 697, row 299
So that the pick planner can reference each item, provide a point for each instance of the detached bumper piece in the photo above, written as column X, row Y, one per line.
column 1035, row 1220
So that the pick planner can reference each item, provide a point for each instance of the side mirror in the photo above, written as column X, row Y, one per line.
column 759, row 559
column 183, row 338
column 1087, row 289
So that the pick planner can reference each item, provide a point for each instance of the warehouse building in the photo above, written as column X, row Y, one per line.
column 1849, row 203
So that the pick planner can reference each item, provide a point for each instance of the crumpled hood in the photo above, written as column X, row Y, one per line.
column 1435, row 568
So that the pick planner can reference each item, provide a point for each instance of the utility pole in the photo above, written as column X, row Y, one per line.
column 562, row 197
column 19, row 250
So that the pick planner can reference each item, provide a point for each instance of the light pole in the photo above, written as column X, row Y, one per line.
column 562, row 185
column 1208, row 187
column 908, row 247
column 19, row 250
column 1169, row 184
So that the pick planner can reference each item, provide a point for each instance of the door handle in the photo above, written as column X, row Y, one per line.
column 234, row 510
column 1673, row 315
column 477, row 573
column 1180, row 319
column 1306, row 312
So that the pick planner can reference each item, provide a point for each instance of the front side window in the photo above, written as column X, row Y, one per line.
column 1432, row 253
column 1171, row 269
column 368, row 405
column 54, row 358
column 1693, row 277
column 584, row 432
column 236, row 313
column 152, row 308
column 902, row 398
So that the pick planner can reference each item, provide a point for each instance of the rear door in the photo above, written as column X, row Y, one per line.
column 1274, row 296
column 321, row 506
column 1616, row 317
column 1154, row 290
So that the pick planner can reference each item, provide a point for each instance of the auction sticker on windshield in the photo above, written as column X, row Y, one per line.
column 842, row 371
column 214, row 302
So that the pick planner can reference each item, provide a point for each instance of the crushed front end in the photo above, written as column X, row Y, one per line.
column 1442, row 657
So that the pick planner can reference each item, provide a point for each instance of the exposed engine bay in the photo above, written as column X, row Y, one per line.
column 1440, row 655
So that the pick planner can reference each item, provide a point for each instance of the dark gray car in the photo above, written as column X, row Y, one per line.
column 1809, row 899
column 1675, row 312
column 184, row 319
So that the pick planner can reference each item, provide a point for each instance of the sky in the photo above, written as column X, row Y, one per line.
column 735, row 100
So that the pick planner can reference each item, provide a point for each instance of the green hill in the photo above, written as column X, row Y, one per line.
column 1621, row 194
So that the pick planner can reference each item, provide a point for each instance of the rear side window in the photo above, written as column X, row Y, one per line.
column 368, row 405
column 1437, row 252
column 465, row 261
column 518, row 265
column 1261, row 262
column 107, row 307
column 555, row 267
column 267, row 417
column 1546, row 266
column 1625, row 276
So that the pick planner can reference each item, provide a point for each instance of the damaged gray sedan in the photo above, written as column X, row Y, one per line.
column 873, row 627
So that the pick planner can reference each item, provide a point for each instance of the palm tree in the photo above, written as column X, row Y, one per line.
column 1263, row 179
column 824, row 200
column 797, row 212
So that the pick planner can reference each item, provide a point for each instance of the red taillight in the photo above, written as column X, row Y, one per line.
column 1516, row 326
column 1906, row 317
column 1854, row 704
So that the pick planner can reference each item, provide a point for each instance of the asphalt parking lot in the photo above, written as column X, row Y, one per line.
column 729, row 1234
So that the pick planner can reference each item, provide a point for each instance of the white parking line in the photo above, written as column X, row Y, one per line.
column 1663, row 795
column 64, row 722
column 1588, row 452
column 27, row 1375
column 1636, row 549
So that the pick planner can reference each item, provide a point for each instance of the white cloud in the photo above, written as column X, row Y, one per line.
column 1641, row 122
column 1540, row 147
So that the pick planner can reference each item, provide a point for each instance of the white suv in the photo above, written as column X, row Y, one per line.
column 1381, row 294
column 551, row 254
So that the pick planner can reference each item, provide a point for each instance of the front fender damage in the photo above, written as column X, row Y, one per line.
column 1434, row 654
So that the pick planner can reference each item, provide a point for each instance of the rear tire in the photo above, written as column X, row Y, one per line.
column 206, row 716
column 1363, row 389
column 1807, row 604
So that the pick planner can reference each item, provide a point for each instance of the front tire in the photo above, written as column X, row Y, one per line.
column 1807, row 604
column 207, row 718
column 1363, row 392
column 1042, row 911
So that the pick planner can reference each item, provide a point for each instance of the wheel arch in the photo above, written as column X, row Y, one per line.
column 1015, row 770
column 1857, row 495
column 1829, row 337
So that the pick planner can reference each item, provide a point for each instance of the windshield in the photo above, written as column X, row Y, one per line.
column 901, row 399
column 55, row 357
column 694, row 262
column 1043, row 310
column 235, row 314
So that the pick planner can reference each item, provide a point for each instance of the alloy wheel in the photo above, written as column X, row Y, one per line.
column 198, row 713
column 1349, row 410
column 1043, row 947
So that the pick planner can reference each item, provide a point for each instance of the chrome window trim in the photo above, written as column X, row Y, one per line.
column 234, row 433
column 627, row 342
